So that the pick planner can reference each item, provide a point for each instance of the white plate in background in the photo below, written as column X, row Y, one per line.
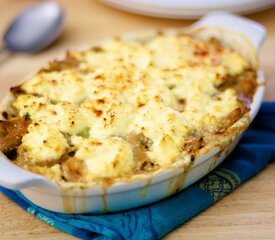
column 184, row 9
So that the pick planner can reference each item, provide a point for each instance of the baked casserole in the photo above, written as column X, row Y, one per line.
column 125, row 108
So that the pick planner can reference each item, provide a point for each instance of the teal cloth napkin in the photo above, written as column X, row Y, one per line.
column 255, row 150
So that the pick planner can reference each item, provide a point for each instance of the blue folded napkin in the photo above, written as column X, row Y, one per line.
column 253, row 153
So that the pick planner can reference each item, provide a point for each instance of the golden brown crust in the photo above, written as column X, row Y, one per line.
column 75, row 170
column 228, row 38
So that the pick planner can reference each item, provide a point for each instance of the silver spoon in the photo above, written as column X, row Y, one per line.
column 34, row 29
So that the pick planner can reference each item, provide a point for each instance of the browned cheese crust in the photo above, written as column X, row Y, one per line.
column 127, row 107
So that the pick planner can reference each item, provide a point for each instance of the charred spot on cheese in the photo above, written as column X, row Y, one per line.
column 127, row 107
column 182, row 103
column 201, row 52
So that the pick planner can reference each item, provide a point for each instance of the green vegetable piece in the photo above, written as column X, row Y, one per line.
column 85, row 132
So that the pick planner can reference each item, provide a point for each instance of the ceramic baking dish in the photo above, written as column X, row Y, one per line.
column 143, row 189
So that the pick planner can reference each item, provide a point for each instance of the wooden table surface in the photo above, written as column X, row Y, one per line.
column 247, row 213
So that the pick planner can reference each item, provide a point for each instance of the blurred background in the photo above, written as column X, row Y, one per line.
column 188, row 9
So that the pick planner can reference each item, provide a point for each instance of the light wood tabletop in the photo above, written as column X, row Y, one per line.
column 247, row 213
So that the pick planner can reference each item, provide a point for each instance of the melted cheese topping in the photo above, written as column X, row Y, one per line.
column 42, row 144
column 166, row 89
column 117, row 160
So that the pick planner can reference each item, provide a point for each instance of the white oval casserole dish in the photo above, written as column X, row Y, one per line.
column 146, row 188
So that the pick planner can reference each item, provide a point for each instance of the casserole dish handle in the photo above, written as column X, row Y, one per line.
column 254, row 31
column 14, row 177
